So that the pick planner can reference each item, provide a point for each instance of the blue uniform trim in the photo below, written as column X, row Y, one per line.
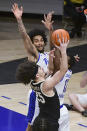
column 61, row 106
column 38, row 58
column 6, row 97
column 82, row 125
column 22, row 103
column 31, row 109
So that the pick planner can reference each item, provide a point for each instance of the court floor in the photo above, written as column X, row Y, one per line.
column 15, row 96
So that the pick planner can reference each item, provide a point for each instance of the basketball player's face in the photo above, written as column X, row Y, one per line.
column 39, row 43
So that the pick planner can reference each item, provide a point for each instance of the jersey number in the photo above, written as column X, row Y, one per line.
column 40, row 97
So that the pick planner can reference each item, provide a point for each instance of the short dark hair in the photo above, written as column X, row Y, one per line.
column 36, row 32
column 26, row 72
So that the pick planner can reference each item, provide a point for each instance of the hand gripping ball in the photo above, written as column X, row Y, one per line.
column 59, row 34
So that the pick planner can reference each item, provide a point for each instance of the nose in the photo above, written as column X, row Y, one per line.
column 40, row 42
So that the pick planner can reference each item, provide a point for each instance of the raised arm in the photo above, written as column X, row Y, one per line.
column 51, row 65
column 51, row 82
column 30, row 48
column 48, row 23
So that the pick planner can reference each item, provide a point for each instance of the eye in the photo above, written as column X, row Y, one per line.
column 36, row 41
column 42, row 40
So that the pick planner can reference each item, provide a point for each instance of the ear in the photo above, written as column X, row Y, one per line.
column 37, row 76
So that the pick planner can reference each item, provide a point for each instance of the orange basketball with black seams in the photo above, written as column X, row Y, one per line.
column 59, row 34
column 85, row 11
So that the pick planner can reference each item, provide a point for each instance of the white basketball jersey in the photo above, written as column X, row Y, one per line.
column 62, row 85
column 43, row 60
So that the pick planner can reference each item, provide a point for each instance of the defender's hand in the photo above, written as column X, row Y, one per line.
column 48, row 21
column 17, row 11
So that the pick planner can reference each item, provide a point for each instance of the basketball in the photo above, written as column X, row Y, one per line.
column 85, row 11
column 59, row 34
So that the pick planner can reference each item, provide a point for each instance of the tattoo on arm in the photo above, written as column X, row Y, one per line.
column 30, row 48
column 22, row 28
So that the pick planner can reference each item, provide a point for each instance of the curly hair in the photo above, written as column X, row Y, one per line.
column 36, row 32
column 26, row 72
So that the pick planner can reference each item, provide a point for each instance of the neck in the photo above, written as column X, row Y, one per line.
column 40, row 79
column 41, row 51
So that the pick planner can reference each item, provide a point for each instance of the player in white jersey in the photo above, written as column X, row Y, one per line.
column 61, row 90
column 34, row 41
column 64, row 124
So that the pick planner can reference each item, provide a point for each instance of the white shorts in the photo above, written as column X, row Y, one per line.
column 82, row 99
column 64, row 124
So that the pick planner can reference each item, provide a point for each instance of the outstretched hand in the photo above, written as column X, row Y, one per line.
column 17, row 11
column 48, row 20
column 63, row 44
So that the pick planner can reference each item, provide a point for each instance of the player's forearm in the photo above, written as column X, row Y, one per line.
column 64, row 62
column 22, row 29
column 50, row 39
column 31, row 50
column 50, row 66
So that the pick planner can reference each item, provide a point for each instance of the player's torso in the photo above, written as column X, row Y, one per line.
column 62, row 85
column 43, row 60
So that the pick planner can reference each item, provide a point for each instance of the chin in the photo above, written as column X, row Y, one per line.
column 41, row 51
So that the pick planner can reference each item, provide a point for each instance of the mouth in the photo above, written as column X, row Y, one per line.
column 39, row 46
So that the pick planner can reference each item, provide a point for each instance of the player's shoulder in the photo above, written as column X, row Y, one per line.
column 36, row 86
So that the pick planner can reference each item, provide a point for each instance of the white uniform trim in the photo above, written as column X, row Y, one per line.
column 43, row 60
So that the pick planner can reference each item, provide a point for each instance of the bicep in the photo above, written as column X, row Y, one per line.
column 55, row 79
